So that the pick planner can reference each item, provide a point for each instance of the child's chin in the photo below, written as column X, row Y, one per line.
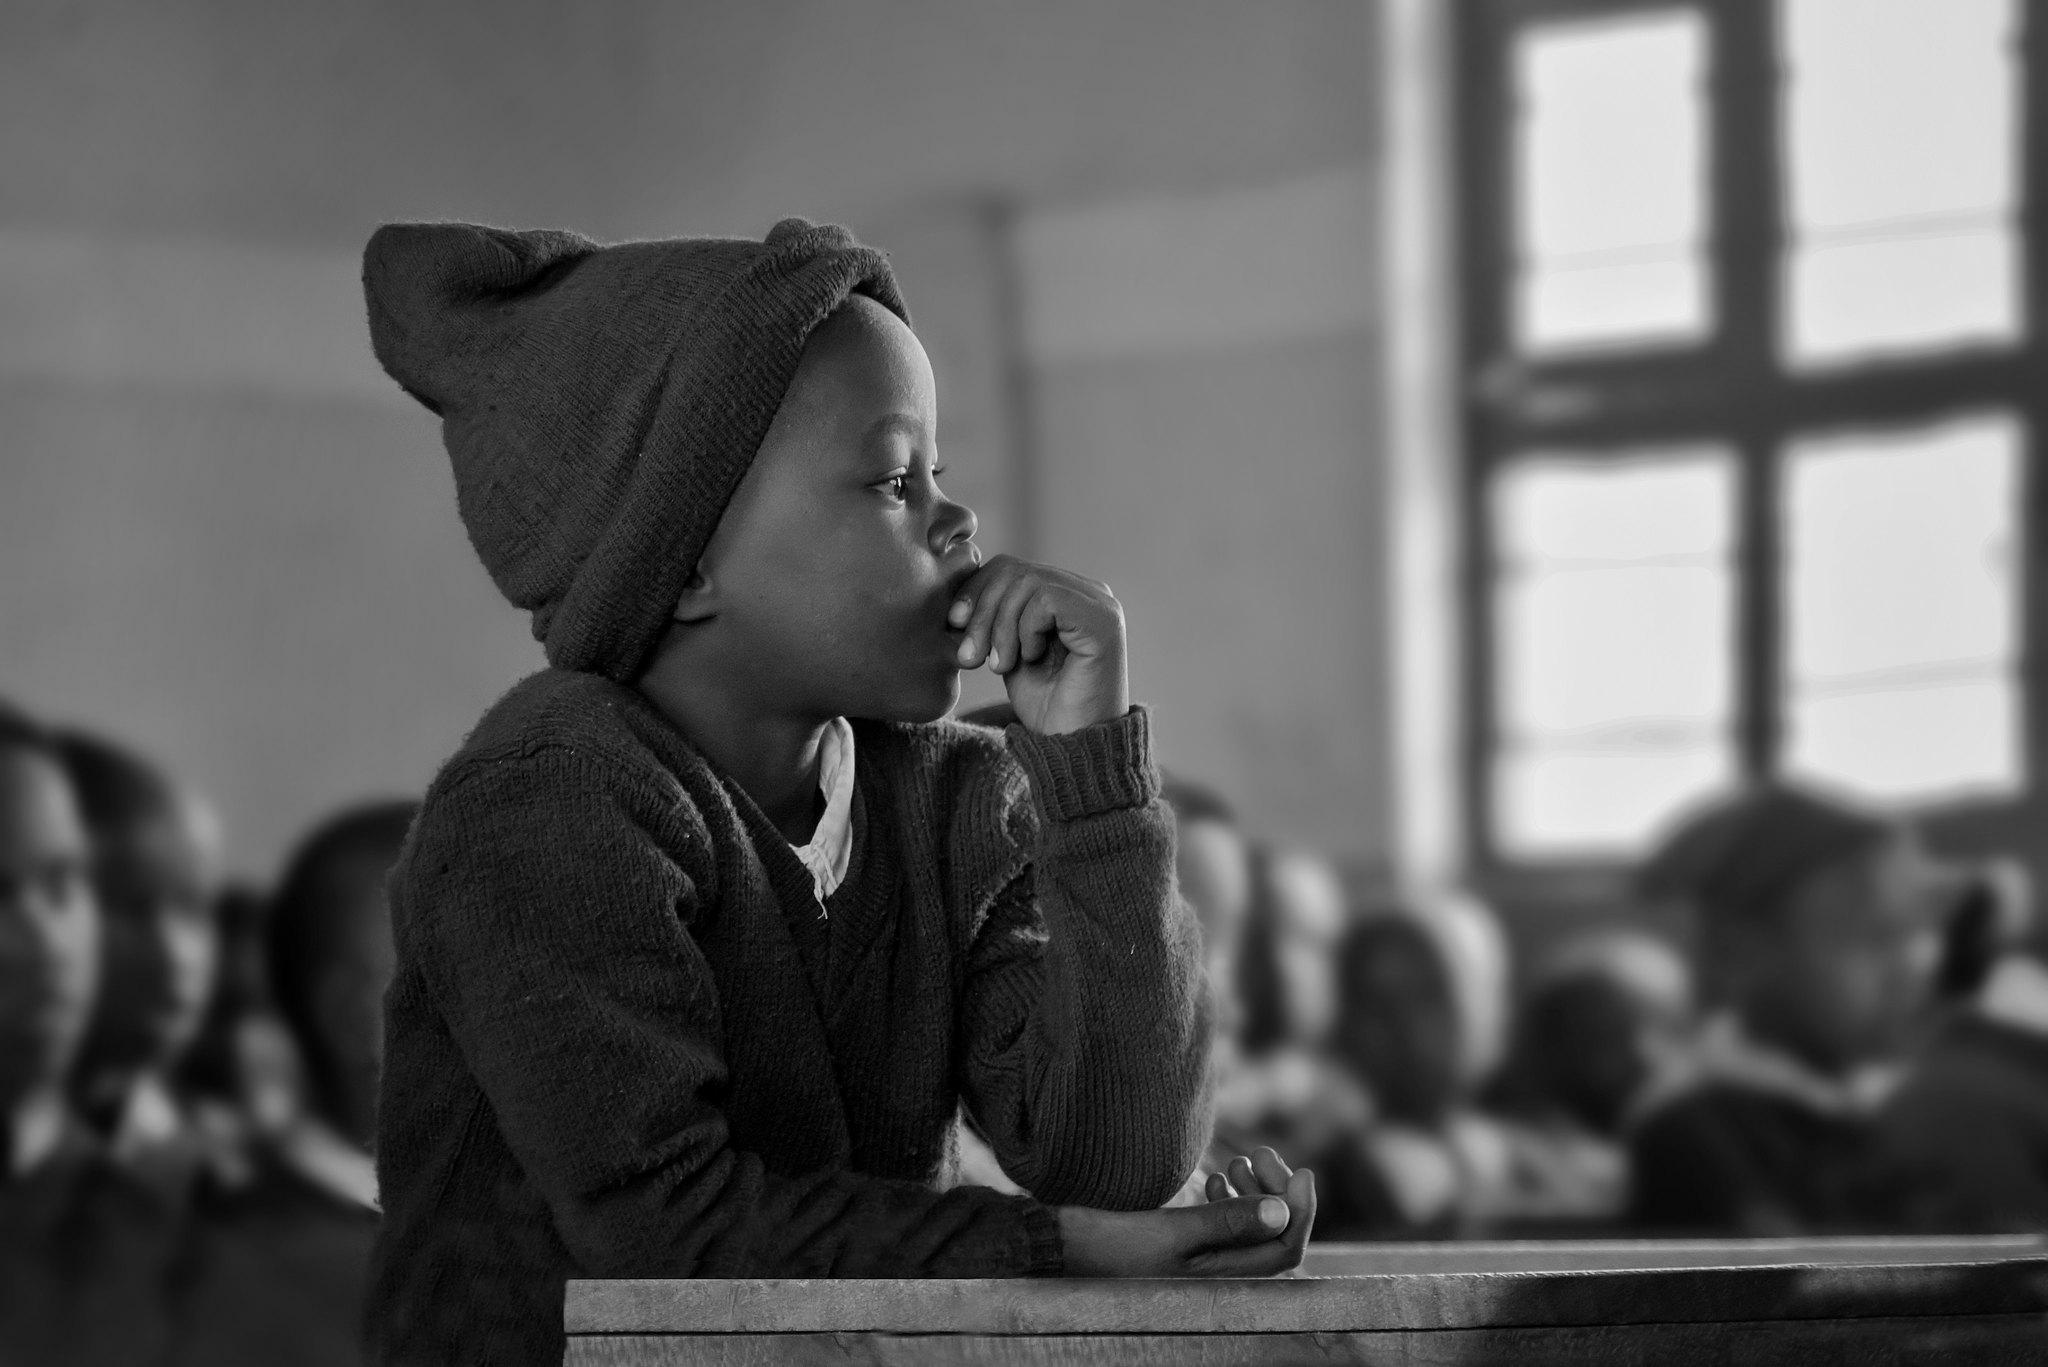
column 920, row 700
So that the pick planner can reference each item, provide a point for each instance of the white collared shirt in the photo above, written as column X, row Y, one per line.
column 329, row 1162
column 2016, row 995
column 831, row 846
column 38, row 1132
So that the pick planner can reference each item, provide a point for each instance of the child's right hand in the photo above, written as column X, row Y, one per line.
column 1255, row 1223
column 1056, row 638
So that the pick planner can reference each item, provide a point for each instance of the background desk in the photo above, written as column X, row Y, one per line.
column 1744, row 1302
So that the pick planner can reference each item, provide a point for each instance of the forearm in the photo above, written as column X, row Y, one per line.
column 732, row 1218
column 1088, row 1063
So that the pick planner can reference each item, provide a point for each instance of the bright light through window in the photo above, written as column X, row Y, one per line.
column 1614, row 639
column 1902, row 598
column 1902, row 150
column 1611, row 182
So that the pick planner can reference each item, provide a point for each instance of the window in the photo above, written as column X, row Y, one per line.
column 1749, row 340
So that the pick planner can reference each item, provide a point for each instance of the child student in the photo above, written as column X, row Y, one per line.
column 81, row 1263
column 1818, row 933
column 49, row 947
column 284, row 1255
column 709, row 928
column 155, row 866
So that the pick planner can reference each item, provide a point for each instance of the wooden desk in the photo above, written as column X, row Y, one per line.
column 1802, row 1302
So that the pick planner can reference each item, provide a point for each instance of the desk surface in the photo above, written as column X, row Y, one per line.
column 1862, row 1301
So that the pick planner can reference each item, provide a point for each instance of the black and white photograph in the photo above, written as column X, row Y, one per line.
column 1022, row 682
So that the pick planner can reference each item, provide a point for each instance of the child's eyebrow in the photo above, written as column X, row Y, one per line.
column 894, row 425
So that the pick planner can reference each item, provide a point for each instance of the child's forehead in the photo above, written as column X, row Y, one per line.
column 863, row 369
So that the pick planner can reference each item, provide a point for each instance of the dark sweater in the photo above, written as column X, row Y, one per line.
column 1733, row 1160
column 1967, row 1130
column 622, row 1041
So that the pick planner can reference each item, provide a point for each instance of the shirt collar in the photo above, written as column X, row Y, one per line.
column 330, row 1163
column 149, row 1118
column 39, row 1129
column 2016, row 995
column 1726, row 1053
column 831, row 846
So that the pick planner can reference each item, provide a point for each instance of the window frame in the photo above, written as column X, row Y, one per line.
column 1731, row 389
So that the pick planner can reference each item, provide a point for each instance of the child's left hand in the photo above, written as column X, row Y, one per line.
column 1056, row 638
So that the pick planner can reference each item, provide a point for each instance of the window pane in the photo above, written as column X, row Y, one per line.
column 1611, row 181
column 1614, row 633
column 1902, row 610
column 1901, row 137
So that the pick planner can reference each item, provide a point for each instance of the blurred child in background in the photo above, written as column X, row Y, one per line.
column 1817, row 931
column 1607, row 1019
column 1968, row 1125
column 1422, row 1013
column 285, row 1255
column 1277, row 1084
column 155, row 861
column 83, row 1255
column 1605, row 1022
column 49, row 946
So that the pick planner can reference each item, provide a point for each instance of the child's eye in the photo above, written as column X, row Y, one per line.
column 897, row 485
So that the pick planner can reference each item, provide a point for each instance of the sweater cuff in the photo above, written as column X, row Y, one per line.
column 1101, row 768
column 1044, row 1250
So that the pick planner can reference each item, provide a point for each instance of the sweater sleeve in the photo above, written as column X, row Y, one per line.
column 1086, row 1018
column 552, row 928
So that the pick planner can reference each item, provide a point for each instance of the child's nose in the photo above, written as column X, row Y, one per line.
column 954, row 524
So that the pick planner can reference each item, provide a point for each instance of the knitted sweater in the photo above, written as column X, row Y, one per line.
column 624, row 1041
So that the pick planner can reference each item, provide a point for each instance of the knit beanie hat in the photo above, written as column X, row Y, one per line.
column 1745, row 857
column 600, row 403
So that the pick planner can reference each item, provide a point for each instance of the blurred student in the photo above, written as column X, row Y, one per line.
column 1421, row 1025
column 239, row 1080
column 155, row 862
column 49, row 946
column 285, row 1255
column 1212, row 864
column 709, row 927
column 1606, row 1022
column 1278, row 1085
column 1817, row 932
column 1968, row 1125
column 82, row 1265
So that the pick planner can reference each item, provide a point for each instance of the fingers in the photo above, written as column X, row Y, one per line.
column 1232, row 1223
column 1301, row 1210
column 1004, row 638
column 1239, row 1242
column 1010, row 611
column 1241, row 1176
column 1272, row 1171
column 1037, row 627
column 984, row 594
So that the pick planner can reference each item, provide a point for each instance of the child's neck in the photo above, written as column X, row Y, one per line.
column 774, row 759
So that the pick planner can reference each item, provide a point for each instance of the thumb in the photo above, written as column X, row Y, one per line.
column 1236, row 1223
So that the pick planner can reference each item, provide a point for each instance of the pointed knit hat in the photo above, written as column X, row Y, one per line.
column 600, row 403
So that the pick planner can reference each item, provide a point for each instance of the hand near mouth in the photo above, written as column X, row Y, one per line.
column 1056, row 639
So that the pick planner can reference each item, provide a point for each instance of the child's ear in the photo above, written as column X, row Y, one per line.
column 699, row 602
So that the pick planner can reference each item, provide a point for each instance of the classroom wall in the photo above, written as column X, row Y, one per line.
column 225, row 536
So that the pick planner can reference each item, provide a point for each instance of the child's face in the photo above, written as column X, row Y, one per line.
column 49, row 925
column 1399, row 1029
column 826, row 586
column 1310, row 920
column 1853, row 969
column 157, row 884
